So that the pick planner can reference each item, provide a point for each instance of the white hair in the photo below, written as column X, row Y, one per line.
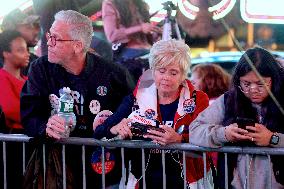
column 80, row 26
column 165, row 52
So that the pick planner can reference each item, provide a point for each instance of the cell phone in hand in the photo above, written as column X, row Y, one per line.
column 140, row 129
column 243, row 122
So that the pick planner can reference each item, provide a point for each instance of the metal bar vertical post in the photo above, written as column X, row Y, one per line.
column 184, row 170
column 44, row 165
column 164, row 170
column 123, row 168
column 84, row 165
column 143, row 168
column 4, row 166
column 226, row 171
column 64, row 166
column 103, row 168
column 270, row 172
column 204, row 170
column 247, row 171
column 24, row 157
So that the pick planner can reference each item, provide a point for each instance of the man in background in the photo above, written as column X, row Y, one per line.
column 27, row 25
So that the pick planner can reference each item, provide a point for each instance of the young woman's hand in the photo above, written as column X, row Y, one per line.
column 150, row 28
column 259, row 134
column 233, row 133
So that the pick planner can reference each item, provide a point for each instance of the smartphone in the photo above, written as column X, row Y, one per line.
column 140, row 129
column 243, row 122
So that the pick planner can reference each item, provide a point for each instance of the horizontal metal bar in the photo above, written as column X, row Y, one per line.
column 14, row 137
column 147, row 144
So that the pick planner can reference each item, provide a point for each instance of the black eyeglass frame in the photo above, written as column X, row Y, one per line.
column 54, row 40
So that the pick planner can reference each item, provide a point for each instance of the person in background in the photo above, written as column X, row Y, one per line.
column 211, row 79
column 102, row 48
column 14, row 52
column 27, row 25
column 248, row 98
column 126, row 23
column 96, row 86
column 163, row 95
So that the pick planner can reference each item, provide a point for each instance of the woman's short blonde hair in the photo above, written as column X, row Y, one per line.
column 165, row 52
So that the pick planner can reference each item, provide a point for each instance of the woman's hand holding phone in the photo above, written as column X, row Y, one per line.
column 233, row 133
column 163, row 138
column 259, row 134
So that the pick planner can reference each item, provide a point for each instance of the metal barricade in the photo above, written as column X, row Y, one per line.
column 83, row 142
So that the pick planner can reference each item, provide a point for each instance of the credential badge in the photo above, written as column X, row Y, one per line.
column 189, row 105
column 95, row 106
column 102, row 90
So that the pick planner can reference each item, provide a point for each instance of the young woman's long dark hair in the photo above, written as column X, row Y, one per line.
column 240, row 105
column 125, row 13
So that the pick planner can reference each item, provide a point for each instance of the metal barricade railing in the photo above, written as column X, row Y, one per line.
column 6, row 138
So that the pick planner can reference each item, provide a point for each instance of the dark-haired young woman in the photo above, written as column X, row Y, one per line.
column 248, row 97
column 14, row 52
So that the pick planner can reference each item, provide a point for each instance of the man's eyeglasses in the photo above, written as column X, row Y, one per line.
column 247, row 87
column 53, row 39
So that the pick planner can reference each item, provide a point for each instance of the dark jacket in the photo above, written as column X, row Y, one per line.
column 100, row 86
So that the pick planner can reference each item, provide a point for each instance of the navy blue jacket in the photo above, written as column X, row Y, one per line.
column 100, row 81
column 46, row 78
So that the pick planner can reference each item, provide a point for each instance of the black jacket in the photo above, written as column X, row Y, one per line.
column 101, row 82
column 46, row 78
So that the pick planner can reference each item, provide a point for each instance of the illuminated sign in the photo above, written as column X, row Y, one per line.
column 218, row 11
column 222, row 9
column 188, row 9
column 256, row 11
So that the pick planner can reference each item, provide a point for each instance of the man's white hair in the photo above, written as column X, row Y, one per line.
column 80, row 26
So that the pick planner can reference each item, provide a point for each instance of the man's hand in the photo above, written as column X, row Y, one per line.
column 55, row 127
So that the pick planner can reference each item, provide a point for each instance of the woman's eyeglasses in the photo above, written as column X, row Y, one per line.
column 247, row 87
column 53, row 39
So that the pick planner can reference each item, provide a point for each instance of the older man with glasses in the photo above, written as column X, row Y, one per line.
column 96, row 87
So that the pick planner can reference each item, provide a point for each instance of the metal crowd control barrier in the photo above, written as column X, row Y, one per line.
column 4, row 138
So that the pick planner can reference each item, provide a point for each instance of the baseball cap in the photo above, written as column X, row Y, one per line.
column 17, row 17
